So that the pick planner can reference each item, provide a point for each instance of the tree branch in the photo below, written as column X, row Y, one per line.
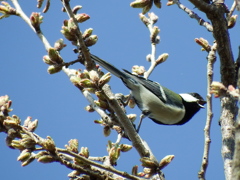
column 211, row 59
column 193, row 15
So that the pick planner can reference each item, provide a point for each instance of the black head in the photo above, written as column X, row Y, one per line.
column 192, row 102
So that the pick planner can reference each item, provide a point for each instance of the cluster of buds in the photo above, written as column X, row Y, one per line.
column 219, row 90
column 89, row 38
column 48, row 144
column 36, row 20
column 7, row 10
column 146, row 5
column 150, row 20
column 114, row 151
column 53, row 58
column 5, row 105
column 92, row 81
column 72, row 145
column 30, row 125
column 204, row 43
column 139, row 70
column 11, row 122
column 151, row 167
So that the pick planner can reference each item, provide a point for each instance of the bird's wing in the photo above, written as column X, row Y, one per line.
column 152, row 86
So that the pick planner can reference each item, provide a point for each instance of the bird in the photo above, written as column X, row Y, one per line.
column 158, row 103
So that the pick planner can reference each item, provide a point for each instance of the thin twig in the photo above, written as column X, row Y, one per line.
column 27, row 20
column 153, row 53
column 211, row 59
column 193, row 15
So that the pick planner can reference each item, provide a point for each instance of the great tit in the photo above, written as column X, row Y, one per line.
column 158, row 103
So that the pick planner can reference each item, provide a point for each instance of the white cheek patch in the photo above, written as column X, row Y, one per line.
column 188, row 98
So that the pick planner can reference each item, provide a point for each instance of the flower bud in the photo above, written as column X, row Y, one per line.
column 104, row 79
column 165, row 161
column 91, row 40
column 24, row 155
column 46, row 159
column 144, row 19
column 65, row 31
column 27, row 142
column 114, row 154
column 162, row 58
column 153, row 17
column 84, row 75
column 76, row 9
column 54, row 69
column 87, row 33
column 147, row 8
column 100, row 95
column 232, row 21
column 98, row 121
column 75, row 80
column 49, row 144
column 87, row 83
column 106, row 131
column 54, row 55
column 82, row 17
column 147, row 162
column 93, row 76
column 59, row 45
column 155, row 31
column 47, row 60
column 28, row 161
column 139, row 70
column 84, row 152
column 36, row 20
column 140, row 3
column 17, row 144
column 204, row 43
column 158, row 3
column 33, row 125
column 125, row 147
column 90, row 90
column 102, row 104
column 72, row 145
column 218, row 89
column 7, row 10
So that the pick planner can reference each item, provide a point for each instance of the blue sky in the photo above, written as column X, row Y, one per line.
column 123, row 41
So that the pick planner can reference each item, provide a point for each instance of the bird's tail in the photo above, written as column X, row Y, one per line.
column 110, row 67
